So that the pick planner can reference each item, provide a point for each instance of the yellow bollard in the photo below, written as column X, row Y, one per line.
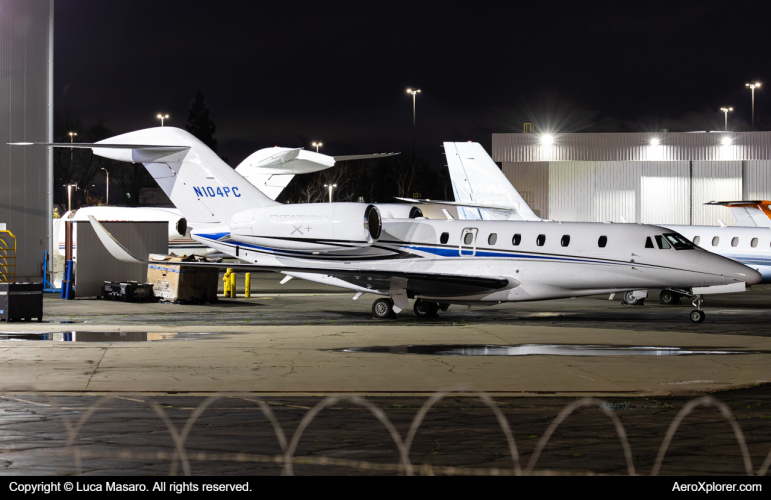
column 226, row 280
column 233, row 285
column 247, row 285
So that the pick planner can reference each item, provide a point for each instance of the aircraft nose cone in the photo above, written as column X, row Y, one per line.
column 743, row 273
column 753, row 277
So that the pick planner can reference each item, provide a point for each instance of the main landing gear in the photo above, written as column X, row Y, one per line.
column 697, row 315
column 383, row 308
column 425, row 309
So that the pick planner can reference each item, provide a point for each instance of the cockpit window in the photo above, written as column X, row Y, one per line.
column 648, row 242
column 662, row 242
column 678, row 241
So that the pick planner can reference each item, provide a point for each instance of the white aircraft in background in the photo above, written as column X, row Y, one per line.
column 435, row 262
column 179, row 236
column 271, row 169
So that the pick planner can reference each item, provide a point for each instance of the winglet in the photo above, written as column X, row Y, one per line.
column 112, row 245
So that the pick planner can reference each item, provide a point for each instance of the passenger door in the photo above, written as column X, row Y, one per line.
column 468, row 242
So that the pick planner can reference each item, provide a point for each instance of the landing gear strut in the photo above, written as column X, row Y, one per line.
column 383, row 309
column 697, row 315
column 425, row 309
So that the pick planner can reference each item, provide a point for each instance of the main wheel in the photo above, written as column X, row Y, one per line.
column 669, row 298
column 425, row 309
column 630, row 299
column 383, row 308
column 697, row 316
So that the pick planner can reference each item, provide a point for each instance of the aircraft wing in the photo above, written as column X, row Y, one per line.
column 363, row 157
column 443, row 285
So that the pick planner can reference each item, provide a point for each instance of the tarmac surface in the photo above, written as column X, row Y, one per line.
column 284, row 349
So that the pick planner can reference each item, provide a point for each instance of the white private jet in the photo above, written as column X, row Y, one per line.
column 435, row 262
column 476, row 177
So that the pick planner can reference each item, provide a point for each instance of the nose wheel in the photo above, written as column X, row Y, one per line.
column 697, row 315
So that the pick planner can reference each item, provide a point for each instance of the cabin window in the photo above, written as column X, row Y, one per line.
column 444, row 238
column 662, row 242
column 602, row 241
column 678, row 242
column 734, row 241
column 565, row 241
column 648, row 242
column 754, row 243
column 696, row 240
column 468, row 239
column 540, row 240
column 715, row 241
column 492, row 239
column 516, row 240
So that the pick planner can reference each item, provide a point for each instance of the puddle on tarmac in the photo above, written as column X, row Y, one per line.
column 91, row 336
column 537, row 350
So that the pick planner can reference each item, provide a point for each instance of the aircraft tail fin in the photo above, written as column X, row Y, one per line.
column 748, row 213
column 202, row 186
column 476, row 179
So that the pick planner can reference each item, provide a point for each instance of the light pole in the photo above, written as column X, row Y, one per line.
column 414, row 93
column 72, row 138
column 162, row 117
column 69, row 196
column 107, row 184
column 753, row 86
column 331, row 187
column 317, row 145
column 725, row 111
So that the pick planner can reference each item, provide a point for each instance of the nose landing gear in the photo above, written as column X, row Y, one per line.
column 697, row 315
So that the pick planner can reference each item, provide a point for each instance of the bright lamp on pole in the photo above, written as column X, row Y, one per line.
column 317, row 145
column 331, row 187
column 752, row 87
column 162, row 117
column 726, row 111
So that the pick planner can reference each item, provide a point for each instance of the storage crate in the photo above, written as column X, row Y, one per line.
column 21, row 301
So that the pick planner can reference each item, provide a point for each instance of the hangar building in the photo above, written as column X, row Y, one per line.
column 653, row 178
column 26, row 106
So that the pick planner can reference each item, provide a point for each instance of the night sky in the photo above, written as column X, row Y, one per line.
column 288, row 73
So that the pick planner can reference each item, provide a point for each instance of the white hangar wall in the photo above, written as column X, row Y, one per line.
column 26, row 101
column 617, row 181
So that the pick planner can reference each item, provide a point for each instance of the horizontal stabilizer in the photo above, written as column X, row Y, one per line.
column 363, row 157
column 457, row 204
column 85, row 145
column 748, row 213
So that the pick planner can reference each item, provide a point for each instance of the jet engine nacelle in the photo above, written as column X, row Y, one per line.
column 399, row 211
column 309, row 226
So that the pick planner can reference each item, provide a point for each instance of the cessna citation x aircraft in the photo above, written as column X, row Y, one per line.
column 436, row 262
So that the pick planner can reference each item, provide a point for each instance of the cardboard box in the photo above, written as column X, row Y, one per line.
column 174, row 282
